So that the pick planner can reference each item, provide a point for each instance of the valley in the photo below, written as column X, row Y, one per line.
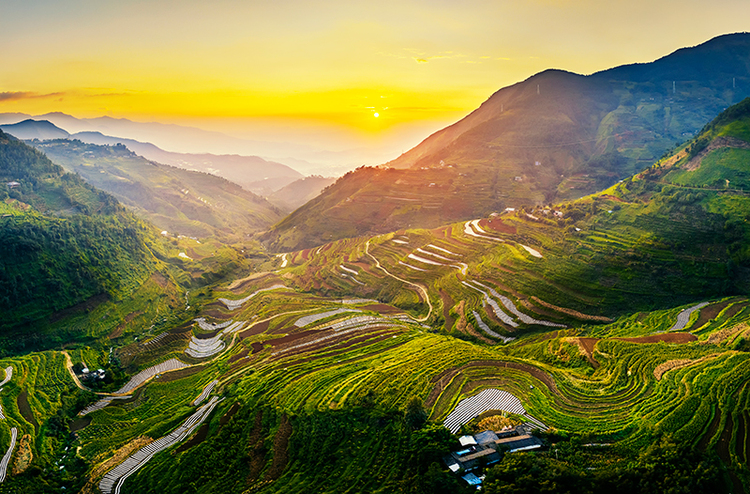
column 168, row 331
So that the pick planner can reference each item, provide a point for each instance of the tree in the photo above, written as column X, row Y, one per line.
column 415, row 416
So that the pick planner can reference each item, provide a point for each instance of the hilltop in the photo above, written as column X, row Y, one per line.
column 182, row 202
column 554, row 136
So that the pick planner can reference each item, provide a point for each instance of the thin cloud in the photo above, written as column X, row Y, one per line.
column 14, row 95
column 21, row 95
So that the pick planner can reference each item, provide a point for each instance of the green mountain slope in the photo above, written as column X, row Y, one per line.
column 63, row 241
column 179, row 201
column 555, row 136
column 619, row 321
column 297, row 193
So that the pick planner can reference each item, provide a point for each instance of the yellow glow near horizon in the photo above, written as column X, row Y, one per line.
column 333, row 62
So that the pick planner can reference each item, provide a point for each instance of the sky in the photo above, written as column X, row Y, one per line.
column 375, row 76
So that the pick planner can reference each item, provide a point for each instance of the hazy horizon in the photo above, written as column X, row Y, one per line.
column 339, row 84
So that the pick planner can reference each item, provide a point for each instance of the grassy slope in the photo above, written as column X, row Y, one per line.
column 320, row 415
column 176, row 200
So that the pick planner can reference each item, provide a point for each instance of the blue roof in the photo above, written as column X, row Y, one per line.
column 472, row 479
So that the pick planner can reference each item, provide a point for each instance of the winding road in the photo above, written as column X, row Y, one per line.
column 421, row 289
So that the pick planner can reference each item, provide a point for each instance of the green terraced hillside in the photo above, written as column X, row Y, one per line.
column 614, row 327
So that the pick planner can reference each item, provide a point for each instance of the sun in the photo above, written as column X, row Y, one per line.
column 376, row 115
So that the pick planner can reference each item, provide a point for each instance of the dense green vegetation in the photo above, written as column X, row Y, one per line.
column 180, row 201
column 619, row 320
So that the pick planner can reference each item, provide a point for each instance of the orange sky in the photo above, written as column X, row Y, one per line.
column 320, row 71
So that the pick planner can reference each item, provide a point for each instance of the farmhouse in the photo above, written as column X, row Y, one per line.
column 486, row 448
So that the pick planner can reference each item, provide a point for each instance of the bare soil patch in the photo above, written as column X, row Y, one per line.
column 257, row 450
column 119, row 329
column 85, row 306
column 293, row 337
column 280, row 451
column 259, row 328
column 197, row 438
column 160, row 279
column 256, row 347
column 237, row 356
column 708, row 313
column 80, row 423
column 179, row 374
column 587, row 346
column 447, row 306
column 383, row 309
column 24, row 455
column 230, row 413
column 23, row 406
column 497, row 225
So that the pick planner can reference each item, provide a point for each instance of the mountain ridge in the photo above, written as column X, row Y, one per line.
column 554, row 136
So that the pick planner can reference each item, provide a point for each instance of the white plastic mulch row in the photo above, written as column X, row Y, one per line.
column 8, row 376
column 525, row 318
column 401, row 242
column 154, row 340
column 305, row 320
column 425, row 261
column 443, row 250
column 438, row 256
column 358, row 323
column 233, row 328
column 531, row 251
column 336, row 335
column 202, row 348
column 412, row 267
column 684, row 317
column 207, row 326
column 487, row 329
column 348, row 270
column 236, row 304
column 101, row 404
column 489, row 399
column 471, row 225
column 2, row 415
column 114, row 479
column 206, row 391
column 353, row 301
column 8, row 454
column 354, row 322
column 351, row 277
column 498, row 311
column 146, row 374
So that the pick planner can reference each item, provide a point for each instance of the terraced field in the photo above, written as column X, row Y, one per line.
column 619, row 321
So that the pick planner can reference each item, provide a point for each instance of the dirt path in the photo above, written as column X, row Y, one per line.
column 421, row 289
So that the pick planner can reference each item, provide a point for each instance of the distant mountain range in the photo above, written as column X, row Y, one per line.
column 179, row 201
column 184, row 139
column 554, row 136
column 252, row 172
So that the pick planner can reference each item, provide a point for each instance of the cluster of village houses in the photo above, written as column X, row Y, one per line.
column 484, row 449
